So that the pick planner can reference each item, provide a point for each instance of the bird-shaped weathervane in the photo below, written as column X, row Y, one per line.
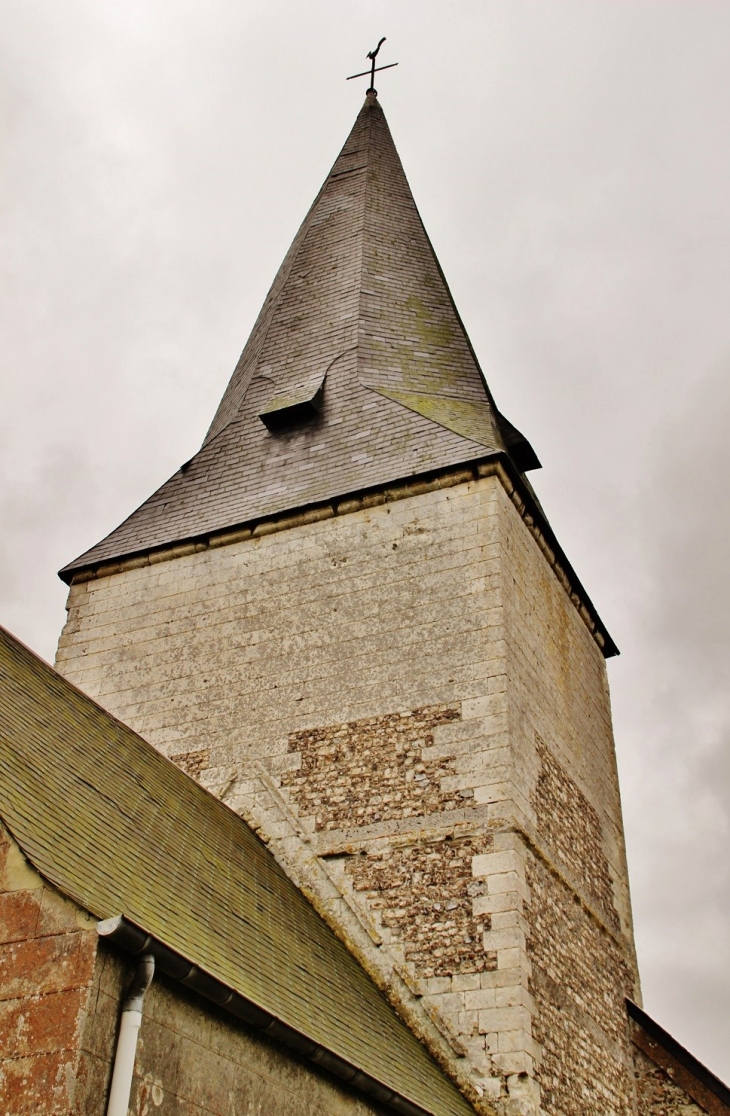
column 372, row 55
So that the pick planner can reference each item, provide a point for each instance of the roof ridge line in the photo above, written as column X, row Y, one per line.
column 490, row 399
column 372, row 101
column 498, row 438
column 280, row 277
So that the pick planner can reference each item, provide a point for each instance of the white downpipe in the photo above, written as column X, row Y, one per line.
column 127, row 1041
column 124, row 1063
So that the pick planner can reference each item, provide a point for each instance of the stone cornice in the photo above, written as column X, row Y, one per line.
column 498, row 466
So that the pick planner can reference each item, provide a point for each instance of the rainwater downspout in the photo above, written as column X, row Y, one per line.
column 128, row 1034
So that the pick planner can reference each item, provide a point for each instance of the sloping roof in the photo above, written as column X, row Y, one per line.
column 683, row 1068
column 118, row 828
column 360, row 300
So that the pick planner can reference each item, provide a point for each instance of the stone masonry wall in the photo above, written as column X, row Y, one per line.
column 577, row 921
column 370, row 770
column 47, row 957
column 670, row 1084
column 194, row 1060
column 579, row 982
column 245, row 661
column 368, row 691
column 423, row 895
column 571, row 828
column 560, row 720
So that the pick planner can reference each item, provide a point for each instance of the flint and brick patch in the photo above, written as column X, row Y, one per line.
column 571, row 827
column 579, row 981
column 192, row 763
column 423, row 894
column 371, row 770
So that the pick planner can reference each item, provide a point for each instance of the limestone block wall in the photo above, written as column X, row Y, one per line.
column 408, row 706
column 577, row 929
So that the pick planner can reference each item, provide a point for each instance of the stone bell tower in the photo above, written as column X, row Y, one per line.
column 348, row 616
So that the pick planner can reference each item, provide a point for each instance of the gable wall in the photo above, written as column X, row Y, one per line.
column 394, row 697
column 669, row 1081
column 194, row 1060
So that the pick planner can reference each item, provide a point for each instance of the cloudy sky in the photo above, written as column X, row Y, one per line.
column 570, row 160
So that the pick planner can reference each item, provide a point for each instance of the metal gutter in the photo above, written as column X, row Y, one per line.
column 124, row 934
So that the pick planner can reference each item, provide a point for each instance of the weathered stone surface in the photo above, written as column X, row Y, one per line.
column 580, row 979
column 192, row 763
column 571, row 828
column 304, row 675
column 59, row 1025
column 669, row 1080
column 370, row 770
column 423, row 895
column 578, row 922
column 19, row 912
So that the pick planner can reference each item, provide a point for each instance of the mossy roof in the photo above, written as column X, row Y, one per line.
column 360, row 303
column 121, row 830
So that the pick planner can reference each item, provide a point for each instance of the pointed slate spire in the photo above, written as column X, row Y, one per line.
column 358, row 371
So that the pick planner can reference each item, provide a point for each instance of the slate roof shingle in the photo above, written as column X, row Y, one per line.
column 360, row 300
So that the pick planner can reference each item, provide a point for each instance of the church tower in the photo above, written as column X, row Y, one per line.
column 348, row 617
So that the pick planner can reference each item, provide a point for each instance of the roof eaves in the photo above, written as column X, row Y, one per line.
column 518, row 485
column 536, row 521
column 133, row 939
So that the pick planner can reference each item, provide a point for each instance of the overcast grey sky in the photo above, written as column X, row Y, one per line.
column 570, row 160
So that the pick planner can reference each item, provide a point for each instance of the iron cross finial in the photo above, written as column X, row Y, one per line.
column 372, row 55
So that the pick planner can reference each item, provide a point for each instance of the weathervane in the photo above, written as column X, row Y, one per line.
column 372, row 55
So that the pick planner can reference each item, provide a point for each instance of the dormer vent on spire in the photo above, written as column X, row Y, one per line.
column 294, row 406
